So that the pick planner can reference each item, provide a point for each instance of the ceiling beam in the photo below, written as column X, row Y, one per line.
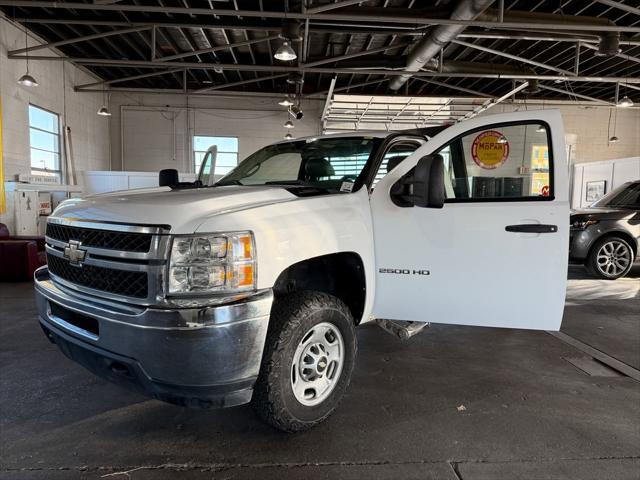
column 539, row 37
column 126, row 79
column 84, row 38
column 332, row 6
column 315, row 96
column 319, row 27
column 348, row 56
column 455, row 87
column 347, row 87
column 494, row 101
column 621, row 6
column 242, row 82
column 216, row 48
column 573, row 94
column 409, row 19
column 303, row 69
column 511, row 57
column 619, row 55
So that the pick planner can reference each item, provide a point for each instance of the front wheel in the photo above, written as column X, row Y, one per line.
column 308, row 360
column 610, row 258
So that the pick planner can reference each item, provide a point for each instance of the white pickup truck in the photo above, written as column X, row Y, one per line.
column 249, row 289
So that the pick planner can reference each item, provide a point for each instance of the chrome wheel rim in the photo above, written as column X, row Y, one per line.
column 613, row 258
column 317, row 364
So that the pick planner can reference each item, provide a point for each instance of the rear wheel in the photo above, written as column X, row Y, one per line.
column 307, row 362
column 610, row 258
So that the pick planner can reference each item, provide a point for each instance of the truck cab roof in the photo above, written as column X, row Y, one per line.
column 422, row 132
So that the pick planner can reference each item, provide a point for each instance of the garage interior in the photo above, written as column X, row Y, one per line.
column 98, row 96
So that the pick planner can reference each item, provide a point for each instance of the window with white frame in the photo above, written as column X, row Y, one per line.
column 227, row 157
column 44, row 140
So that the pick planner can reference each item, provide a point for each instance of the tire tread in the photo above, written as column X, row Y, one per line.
column 287, row 315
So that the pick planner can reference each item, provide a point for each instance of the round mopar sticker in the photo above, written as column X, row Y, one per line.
column 490, row 149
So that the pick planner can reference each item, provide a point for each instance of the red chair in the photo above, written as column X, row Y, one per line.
column 20, row 256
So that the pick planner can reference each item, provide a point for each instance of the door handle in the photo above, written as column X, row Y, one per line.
column 532, row 228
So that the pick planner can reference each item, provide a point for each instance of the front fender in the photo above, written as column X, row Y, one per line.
column 288, row 233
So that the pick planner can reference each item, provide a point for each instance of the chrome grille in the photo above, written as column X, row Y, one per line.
column 119, row 261
column 120, row 282
column 107, row 239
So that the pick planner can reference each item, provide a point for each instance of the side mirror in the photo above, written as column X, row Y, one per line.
column 168, row 177
column 422, row 186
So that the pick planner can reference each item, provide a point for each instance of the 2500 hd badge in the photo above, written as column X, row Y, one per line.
column 404, row 271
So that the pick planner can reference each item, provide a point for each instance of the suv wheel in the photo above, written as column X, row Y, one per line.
column 307, row 362
column 610, row 258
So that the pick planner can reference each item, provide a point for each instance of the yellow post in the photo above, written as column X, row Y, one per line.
column 3, row 199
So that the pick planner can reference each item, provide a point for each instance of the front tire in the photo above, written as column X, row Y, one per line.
column 308, row 361
column 610, row 258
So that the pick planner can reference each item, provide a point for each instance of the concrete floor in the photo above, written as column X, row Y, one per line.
column 529, row 412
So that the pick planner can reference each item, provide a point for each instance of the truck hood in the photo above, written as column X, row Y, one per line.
column 183, row 210
column 602, row 213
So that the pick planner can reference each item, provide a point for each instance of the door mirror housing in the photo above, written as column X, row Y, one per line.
column 422, row 186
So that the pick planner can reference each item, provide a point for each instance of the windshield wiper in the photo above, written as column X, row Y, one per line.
column 300, row 184
column 288, row 182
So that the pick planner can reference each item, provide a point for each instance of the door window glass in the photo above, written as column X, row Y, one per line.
column 499, row 162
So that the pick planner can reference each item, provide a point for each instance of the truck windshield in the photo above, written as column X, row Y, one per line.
column 625, row 196
column 323, row 163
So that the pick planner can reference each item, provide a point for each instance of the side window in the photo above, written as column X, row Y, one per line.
column 396, row 154
column 499, row 162
column 227, row 158
column 44, row 140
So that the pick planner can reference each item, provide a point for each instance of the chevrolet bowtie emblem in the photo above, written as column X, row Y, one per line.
column 73, row 253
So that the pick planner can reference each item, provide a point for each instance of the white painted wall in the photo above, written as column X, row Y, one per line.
column 589, row 125
column 151, row 132
column 150, row 144
column 90, row 132
column 614, row 172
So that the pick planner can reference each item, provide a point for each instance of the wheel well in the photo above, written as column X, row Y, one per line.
column 623, row 235
column 338, row 274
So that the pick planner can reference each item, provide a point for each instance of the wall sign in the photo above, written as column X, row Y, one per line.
column 487, row 150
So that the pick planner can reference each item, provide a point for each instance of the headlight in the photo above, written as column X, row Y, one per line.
column 222, row 262
column 582, row 224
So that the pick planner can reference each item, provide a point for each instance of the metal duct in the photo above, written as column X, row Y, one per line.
column 430, row 46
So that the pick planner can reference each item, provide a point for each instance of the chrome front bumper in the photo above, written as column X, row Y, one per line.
column 203, row 357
